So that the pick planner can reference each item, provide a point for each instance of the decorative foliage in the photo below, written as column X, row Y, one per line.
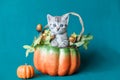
column 83, row 41
column 45, row 37
column 29, row 49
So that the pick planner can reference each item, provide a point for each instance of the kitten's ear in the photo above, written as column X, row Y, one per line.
column 65, row 17
column 49, row 17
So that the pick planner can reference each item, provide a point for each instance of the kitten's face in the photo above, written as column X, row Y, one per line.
column 58, row 24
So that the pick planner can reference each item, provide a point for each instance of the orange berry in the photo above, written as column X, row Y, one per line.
column 52, row 37
column 72, row 39
column 39, row 28
column 43, row 36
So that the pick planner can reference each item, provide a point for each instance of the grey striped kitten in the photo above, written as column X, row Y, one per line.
column 58, row 26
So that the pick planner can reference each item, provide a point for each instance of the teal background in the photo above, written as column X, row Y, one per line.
column 18, row 20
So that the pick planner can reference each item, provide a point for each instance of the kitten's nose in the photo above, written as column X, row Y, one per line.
column 58, row 28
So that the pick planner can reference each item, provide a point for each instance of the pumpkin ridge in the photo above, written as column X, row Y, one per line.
column 52, row 60
column 58, row 61
column 70, row 63
column 43, row 52
column 30, row 73
column 64, row 61
column 78, row 61
column 24, row 67
column 45, row 62
column 74, row 60
column 36, row 59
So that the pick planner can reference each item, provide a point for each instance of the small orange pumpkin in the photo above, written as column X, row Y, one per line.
column 25, row 71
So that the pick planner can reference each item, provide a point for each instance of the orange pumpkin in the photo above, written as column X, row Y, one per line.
column 56, row 61
column 25, row 71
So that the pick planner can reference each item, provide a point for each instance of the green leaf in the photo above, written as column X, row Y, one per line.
column 29, row 51
column 74, row 35
column 47, row 37
column 71, row 43
column 79, row 43
column 87, row 37
column 37, row 41
column 47, row 31
column 85, row 45
column 26, row 47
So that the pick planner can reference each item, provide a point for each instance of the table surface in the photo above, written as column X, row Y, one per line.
column 18, row 20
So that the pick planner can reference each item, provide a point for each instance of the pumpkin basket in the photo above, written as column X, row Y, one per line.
column 55, row 60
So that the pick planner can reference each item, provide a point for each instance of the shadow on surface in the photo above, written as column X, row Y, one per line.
column 102, row 59
column 38, row 74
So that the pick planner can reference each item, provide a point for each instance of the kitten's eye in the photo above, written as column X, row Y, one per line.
column 54, row 25
column 61, row 25
column 66, row 25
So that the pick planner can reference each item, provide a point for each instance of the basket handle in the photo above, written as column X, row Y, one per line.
column 81, row 22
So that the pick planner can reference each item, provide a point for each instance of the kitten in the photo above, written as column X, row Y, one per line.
column 58, row 26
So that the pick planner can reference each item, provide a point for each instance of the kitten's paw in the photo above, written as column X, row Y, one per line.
column 54, row 43
column 63, row 44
